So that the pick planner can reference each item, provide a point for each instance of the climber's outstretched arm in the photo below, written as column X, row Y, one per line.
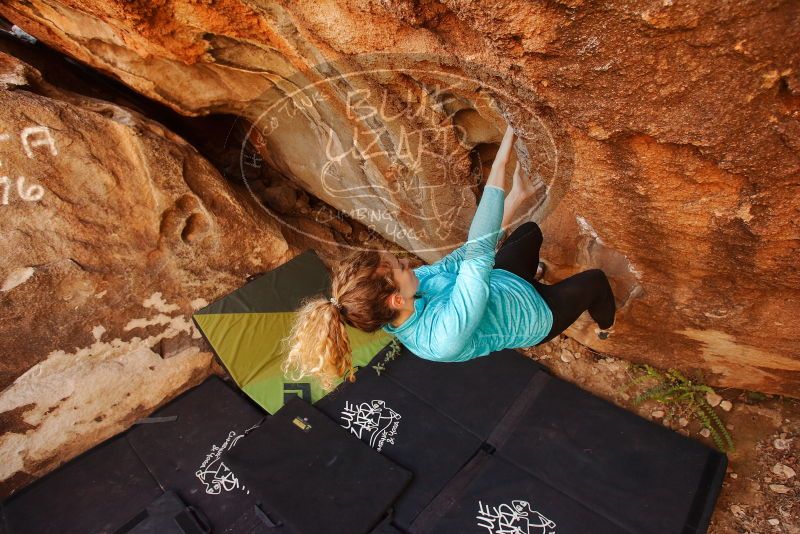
column 452, row 261
column 460, row 317
column 497, row 176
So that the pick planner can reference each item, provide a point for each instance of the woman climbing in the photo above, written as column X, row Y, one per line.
column 469, row 303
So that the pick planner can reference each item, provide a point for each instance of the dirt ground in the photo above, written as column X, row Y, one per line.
column 761, row 492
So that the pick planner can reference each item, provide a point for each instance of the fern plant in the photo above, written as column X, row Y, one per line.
column 677, row 392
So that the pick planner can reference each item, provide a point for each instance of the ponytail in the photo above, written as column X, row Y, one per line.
column 318, row 345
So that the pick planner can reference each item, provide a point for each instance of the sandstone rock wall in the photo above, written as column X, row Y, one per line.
column 664, row 136
column 114, row 230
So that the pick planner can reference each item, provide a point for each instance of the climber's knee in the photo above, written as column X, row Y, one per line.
column 598, row 274
column 530, row 227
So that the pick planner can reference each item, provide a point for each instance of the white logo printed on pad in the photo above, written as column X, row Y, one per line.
column 215, row 476
column 372, row 421
column 516, row 518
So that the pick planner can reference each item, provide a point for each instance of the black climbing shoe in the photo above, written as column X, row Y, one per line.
column 603, row 333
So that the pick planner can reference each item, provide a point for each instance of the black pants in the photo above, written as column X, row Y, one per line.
column 567, row 299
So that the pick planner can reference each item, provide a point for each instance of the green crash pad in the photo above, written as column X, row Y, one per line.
column 246, row 328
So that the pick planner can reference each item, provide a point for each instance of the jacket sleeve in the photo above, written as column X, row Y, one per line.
column 452, row 261
column 449, row 263
column 463, row 312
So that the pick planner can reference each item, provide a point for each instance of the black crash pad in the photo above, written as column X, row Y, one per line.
column 487, row 440
column 255, row 521
column 406, row 430
column 98, row 492
column 168, row 514
column 184, row 454
column 313, row 475
column 476, row 394
column 639, row 474
column 492, row 495
column 176, row 448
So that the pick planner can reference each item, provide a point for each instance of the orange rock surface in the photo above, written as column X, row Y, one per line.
column 114, row 231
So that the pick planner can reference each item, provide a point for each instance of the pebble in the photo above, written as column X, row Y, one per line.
column 734, row 475
column 774, row 522
column 657, row 414
column 705, row 432
column 683, row 421
column 713, row 399
column 782, row 444
column 737, row 510
column 779, row 488
column 566, row 356
column 783, row 471
column 726, row 405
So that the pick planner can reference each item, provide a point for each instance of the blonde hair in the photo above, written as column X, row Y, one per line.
column 317, row 344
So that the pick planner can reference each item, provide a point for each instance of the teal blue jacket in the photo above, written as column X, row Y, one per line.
column 465, row 308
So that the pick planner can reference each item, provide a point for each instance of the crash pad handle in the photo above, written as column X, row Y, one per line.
column 191, row 521
column 262, row 515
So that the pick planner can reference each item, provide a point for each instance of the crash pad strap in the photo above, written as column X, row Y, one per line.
column 519, row 408
column 264, row 518
column 151, row 420
column 441, row 504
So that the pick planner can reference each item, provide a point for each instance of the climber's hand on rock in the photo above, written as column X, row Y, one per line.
column 522, row 187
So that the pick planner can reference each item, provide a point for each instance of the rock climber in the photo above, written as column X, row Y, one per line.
column 473, row 301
